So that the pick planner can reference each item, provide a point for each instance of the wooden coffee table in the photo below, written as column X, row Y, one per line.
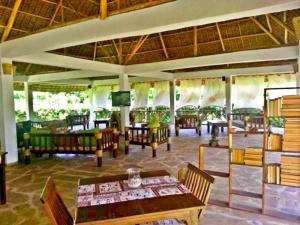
column 220, row 123
column 180, row 206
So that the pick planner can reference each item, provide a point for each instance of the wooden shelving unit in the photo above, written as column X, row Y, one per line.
column 265, row 151
column 267, row 132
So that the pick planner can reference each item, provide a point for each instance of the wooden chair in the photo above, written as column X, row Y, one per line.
column 199, row 183
column 54, row 205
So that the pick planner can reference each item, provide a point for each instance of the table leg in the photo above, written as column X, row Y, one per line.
column 194, row 217
column 222, row 129
column 208, row 128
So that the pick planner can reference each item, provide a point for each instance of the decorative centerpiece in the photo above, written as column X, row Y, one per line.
column 134, row 178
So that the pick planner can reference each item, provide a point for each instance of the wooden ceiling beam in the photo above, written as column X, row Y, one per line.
column 221, row 38
column 282, row 24
column 58, row 6
column 103, row 9
column 136, row 48
column 265, row 30
column 269, row 23
column 106, row 53
column 163, row 45
column 195, row 41
column 66, row 7
column 138, row 7
column 203, row 43
column 11, row 20
column 95, row 52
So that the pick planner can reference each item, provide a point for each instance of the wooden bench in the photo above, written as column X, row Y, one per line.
column 72, row 143
column 148, row 137
column 75, row 120
column 188, row 122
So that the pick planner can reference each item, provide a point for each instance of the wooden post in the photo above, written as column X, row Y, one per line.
column 153, row 131
column 116, row 142
column 177, row 126
column 201, row 157
column 103, row 9
column 27, row 153
column 199, row 125
column 2, row 178
column 99, row 151
column 126, row 140
column 169, row 139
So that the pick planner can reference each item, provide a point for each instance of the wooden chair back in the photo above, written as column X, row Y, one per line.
column 54, row 205
column 199, row 183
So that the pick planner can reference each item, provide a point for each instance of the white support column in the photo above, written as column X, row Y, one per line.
column 298, row 82
column 28, row 101
column 92, row 105
column 8, row 133
column 228, row 92
column 172, row 100
column 124, row 86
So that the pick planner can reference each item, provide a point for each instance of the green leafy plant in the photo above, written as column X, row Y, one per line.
column 154, row 121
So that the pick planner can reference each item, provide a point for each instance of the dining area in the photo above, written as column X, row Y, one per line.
column 145, row 198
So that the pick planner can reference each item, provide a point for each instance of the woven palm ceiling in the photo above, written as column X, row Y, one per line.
column 265, row 31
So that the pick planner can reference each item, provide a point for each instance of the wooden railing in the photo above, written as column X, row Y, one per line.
column 148, row 137
column 72, row 143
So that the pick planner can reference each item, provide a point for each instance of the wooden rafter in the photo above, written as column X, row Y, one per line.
column 179, row 48
column 119, row 50
column 11, row 20
column 265, row 30
column 195, row 41
column 269, row 23
column 106, row 53
column 283, row 25
column 138, row 45
column 221, row 38
column 163, row 45
column 95, row 51
column 58, row 6
column 103, row 9
column 286, row 34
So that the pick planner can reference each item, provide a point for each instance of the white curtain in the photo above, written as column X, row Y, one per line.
column 101, row 96
column 213, row 93
column 162, row 93
column 116, row 88
column 190, row 92
column 283, row 80
column 248, row 92
column 141, row 95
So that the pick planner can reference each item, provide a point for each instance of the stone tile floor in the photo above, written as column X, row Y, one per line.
column 25, row 183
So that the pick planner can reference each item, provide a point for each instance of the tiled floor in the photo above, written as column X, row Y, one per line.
column 24, row 183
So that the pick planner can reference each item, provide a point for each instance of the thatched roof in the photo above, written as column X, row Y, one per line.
column 261, row 32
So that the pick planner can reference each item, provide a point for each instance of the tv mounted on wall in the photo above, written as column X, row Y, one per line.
column 120, row 98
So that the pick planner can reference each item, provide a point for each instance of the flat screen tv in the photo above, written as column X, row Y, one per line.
column 120, row 98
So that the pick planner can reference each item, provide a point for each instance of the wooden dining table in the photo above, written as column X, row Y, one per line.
column 160, row 197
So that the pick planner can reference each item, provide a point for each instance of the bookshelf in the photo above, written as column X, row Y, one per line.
column 272, row 174
column 287, row 144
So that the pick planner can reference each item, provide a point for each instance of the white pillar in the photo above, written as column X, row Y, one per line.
column 172, row 100
column 228, row 92
column 92, row 101
column 298, row 82
column 28, row 101
column 8, row 133
column 124, row 86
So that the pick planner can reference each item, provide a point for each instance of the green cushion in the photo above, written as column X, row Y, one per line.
column 85, row 141
column 41, row 141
